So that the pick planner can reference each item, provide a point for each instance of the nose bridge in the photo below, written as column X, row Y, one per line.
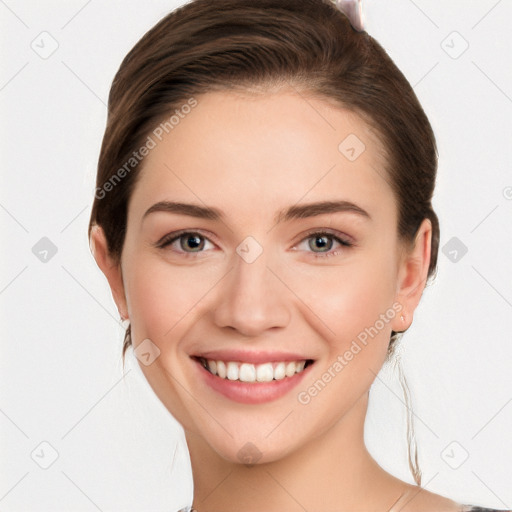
column 251, row 298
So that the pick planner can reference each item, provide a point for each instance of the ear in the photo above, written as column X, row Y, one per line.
column 412, row 275
column 111, row 269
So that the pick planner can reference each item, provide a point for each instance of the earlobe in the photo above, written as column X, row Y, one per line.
column 412, row 276
column 111, row 269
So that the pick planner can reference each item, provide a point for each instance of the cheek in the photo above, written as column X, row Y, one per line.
column 350, row 297
column 160, row 302
column 158, row 297
column 355, row 302
column 165, row 299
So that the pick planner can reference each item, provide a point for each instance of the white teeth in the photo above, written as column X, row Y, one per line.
column 280, row 371
column 221, row 369
column 247, row 372
column 232, row 369
column 264, row 372
column 212, row 366
column 290, row 369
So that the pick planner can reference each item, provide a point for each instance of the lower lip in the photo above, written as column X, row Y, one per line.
column 251, row 392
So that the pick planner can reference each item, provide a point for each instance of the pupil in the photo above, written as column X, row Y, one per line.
column 321, row 244
column 195, row 239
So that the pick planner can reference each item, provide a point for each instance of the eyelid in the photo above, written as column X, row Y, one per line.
column 328, row 231
column 171, row 237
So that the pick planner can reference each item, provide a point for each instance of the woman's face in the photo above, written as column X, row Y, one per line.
column 251, row 282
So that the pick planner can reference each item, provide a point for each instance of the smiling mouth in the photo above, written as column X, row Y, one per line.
column 248, row 372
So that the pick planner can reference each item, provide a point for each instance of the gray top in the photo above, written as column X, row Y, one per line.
column 476, row 508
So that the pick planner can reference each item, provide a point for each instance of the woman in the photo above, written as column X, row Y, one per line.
column 286, row 147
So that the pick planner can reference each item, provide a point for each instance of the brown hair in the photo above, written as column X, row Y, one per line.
column 310, row 45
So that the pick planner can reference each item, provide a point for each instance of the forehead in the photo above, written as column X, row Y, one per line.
column 246, row 150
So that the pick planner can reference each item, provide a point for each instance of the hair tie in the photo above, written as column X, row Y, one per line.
column 353, row 10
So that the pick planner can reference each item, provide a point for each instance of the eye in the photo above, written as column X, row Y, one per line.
column 324, row 241
column 186, row 240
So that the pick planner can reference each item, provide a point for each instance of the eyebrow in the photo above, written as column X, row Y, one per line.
column 293, row 212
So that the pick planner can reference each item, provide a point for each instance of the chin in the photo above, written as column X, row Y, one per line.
column 250, row 453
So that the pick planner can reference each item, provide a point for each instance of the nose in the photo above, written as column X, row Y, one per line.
column 252, row 299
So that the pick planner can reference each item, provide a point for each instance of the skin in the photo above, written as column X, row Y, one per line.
column 252, row 155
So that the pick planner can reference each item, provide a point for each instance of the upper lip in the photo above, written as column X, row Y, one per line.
column 245, row 356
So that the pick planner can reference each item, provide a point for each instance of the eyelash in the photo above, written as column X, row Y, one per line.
column 172, row 237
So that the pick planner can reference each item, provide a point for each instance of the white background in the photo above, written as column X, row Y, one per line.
column 61, row 374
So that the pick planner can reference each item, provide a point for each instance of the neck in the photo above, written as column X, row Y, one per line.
column 333, row 471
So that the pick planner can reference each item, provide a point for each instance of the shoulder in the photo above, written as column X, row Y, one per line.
column 418, row 499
